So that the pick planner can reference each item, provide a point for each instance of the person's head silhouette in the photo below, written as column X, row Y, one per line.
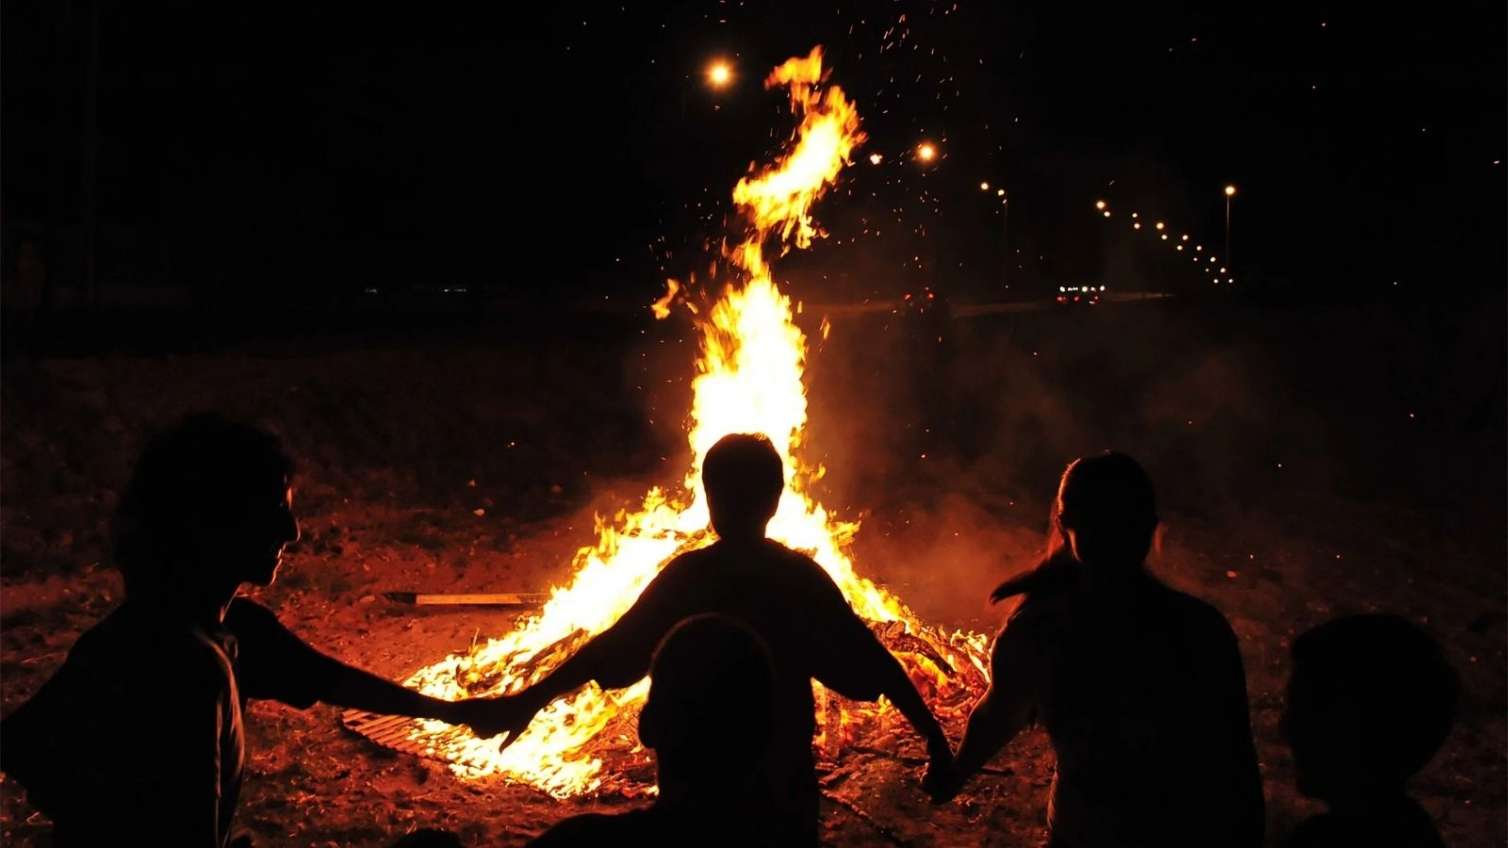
column 710, row 707
column 744, row 476
column 208, row 507
column 1106, row 511
column 1370, row 701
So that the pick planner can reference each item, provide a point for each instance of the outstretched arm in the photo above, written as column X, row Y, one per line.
column 274, row 663
column 614, row 658
column 348, row 686
column 897, row 686
column 995, row 721
column 849, row 659
column 1005, row 710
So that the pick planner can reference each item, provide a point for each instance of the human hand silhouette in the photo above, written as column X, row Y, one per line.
column 941, row 780
column 489, row 717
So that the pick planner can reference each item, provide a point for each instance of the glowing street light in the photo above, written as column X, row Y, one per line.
column 1230, row 192
column 719, row 74
column 1159, row 225
column 926, row 151
column 984, row 186
column 1100, row 205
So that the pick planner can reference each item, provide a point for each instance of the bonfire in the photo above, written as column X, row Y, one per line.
column 749, row 378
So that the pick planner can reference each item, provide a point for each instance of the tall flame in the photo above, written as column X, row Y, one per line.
column 749, row 379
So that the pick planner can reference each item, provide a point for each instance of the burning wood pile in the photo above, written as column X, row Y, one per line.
column 749, row 379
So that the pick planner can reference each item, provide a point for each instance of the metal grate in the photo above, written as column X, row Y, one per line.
column 391, row 732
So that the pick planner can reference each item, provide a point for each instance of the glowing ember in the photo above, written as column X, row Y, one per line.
column 749, row 379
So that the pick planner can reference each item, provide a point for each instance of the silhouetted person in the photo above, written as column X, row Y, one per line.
column 708, row 720
column 1370, row 702
column 138, row 739
column 1140, row 687
column 783, row 596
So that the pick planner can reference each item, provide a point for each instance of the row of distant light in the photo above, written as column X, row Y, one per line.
column 926, row 153
column 1209, row 261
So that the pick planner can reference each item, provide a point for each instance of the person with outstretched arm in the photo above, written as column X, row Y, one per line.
column 784, row 597
column 138, row 739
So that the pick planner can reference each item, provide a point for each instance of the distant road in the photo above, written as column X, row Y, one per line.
column 976, row 310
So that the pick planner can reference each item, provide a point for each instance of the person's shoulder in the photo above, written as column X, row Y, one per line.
column 138, row 641
column 791, row 558
column 248, row 619
column 768, row 555
column 1197, row 613
column 686, row 566
column 1053, row 596
column 799, row 572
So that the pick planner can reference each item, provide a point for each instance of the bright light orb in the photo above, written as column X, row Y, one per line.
column 719, row 74
column 1230, row 191
column 926, row 151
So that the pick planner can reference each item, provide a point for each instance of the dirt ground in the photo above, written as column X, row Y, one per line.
column 479, row 467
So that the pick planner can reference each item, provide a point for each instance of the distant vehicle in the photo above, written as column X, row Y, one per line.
column 1082, row 294
column 926, row 301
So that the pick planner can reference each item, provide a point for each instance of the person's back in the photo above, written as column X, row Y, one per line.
column 785, row 597
column 114, row 747
column 793, row 605
column 1140, row 688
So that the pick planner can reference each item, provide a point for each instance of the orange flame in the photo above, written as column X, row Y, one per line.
column 661, row 307
column 749, row 379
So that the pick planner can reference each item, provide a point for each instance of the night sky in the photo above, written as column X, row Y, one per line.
column 573, row 151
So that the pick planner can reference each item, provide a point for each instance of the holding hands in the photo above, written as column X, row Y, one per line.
column 489, row 717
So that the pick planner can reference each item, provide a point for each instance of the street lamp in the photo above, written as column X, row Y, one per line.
column 1230, row 192
column 719, row 74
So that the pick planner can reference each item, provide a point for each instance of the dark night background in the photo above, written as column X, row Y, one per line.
column 300, row 151
column 420, row 241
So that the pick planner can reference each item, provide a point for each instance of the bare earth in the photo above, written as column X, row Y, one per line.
column 411, row 523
